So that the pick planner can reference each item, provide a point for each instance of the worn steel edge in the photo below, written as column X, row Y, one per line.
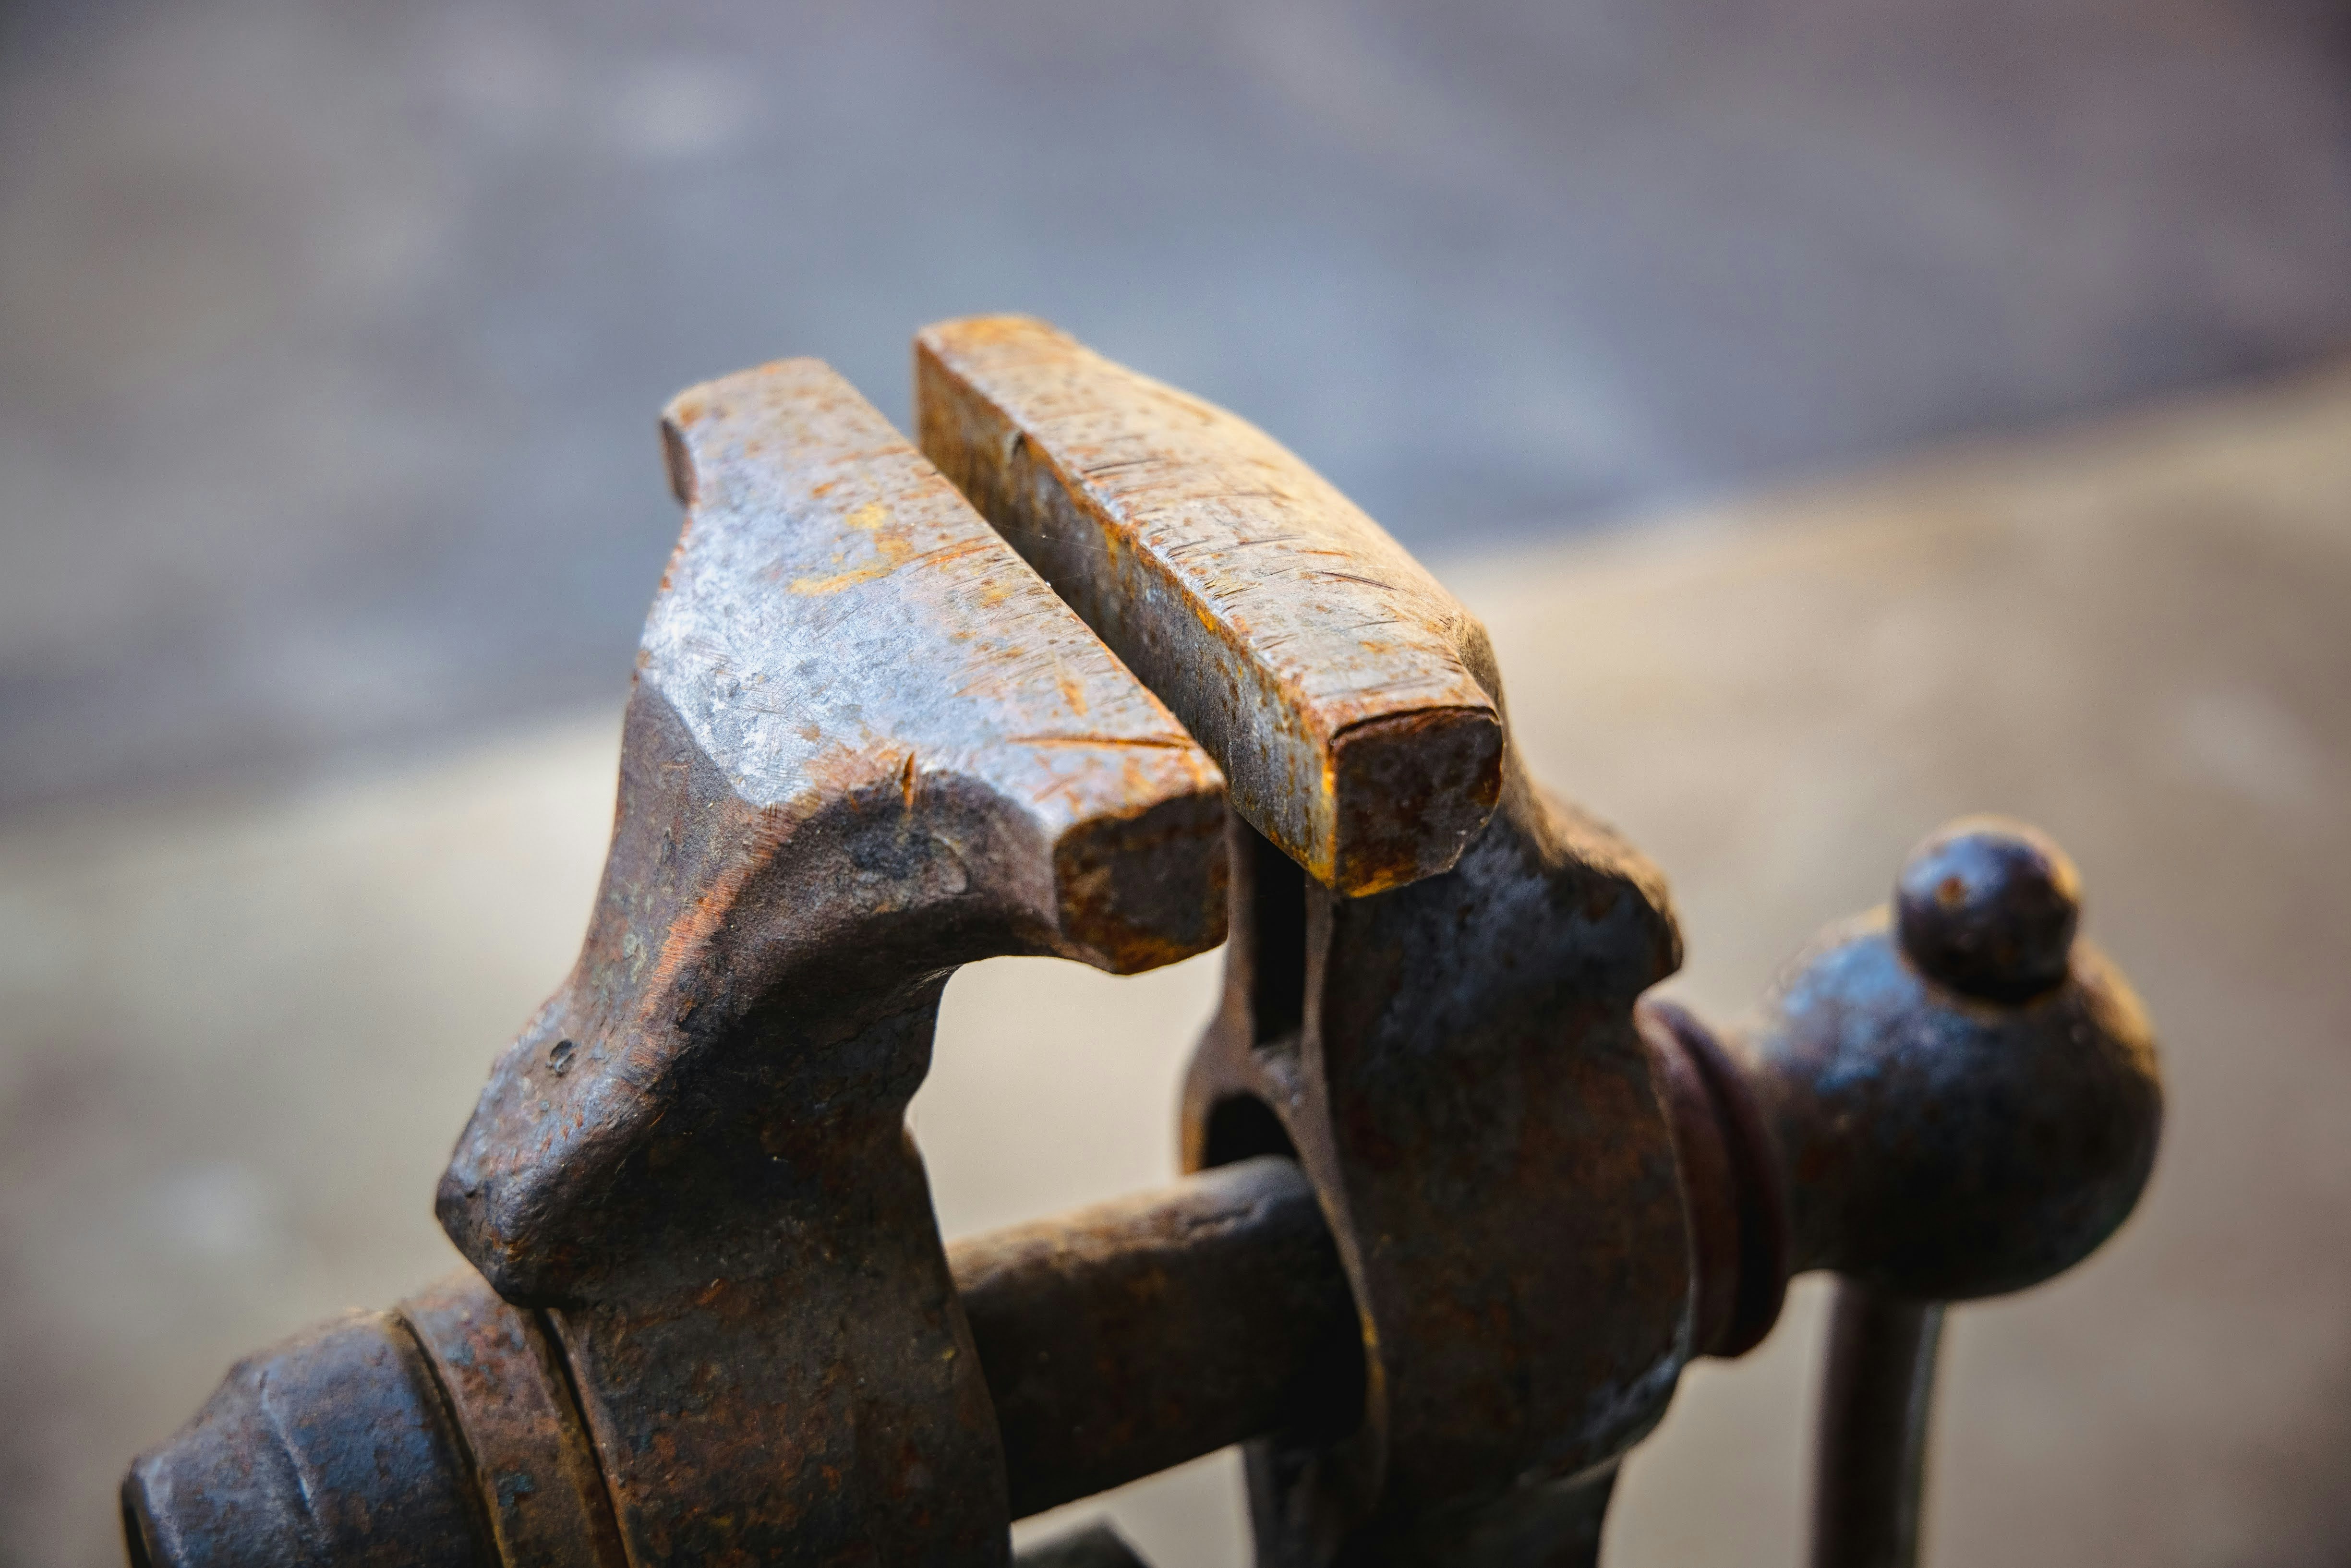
column 1353, row 703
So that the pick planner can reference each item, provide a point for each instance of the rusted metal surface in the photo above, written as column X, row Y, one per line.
column 866, row 745
column 1352, row 703
column 334, row 1447
column 1461, row 1076
column 536, row 1479
column 1463, row 1209
column 1135, row 1336
column 1114, row 1341
column 1446, row 1043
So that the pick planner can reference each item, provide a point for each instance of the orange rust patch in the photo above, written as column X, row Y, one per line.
column 890, row 543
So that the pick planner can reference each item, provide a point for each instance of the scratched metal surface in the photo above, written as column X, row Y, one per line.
column 866, row 745
column 835, row 605
column 888, row 676
column 1353, row 703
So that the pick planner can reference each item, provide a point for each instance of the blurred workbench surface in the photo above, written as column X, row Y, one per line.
column 236, row 1036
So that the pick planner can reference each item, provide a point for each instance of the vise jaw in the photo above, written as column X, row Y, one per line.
column 1439, row 1026
column 1104, row 673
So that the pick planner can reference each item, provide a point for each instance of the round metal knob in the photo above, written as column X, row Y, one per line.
column 1988, row 907
column 1964, row 1096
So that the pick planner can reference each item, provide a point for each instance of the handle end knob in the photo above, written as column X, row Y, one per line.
column 1964, row 1096
column 1988, row 907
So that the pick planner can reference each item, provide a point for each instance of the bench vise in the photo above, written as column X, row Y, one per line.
column 1102, row 671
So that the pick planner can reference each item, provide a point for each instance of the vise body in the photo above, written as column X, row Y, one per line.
column 1104, row 673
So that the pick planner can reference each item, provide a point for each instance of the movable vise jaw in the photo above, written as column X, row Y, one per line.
column 1103, row 672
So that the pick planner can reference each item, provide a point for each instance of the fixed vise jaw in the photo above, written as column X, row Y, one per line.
column 866, row 745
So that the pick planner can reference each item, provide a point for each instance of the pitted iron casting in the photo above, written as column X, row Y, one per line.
column 1104, row 673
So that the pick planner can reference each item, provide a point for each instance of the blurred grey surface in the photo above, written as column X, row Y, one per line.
column 237, row 1038
column 331, row 334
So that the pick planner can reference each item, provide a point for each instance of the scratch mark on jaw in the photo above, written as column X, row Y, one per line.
column 1166, row 742
column 1074, row 690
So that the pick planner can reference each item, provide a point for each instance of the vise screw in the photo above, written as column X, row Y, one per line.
column 1102, row 671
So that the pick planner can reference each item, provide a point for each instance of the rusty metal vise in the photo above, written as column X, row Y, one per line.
column 1103, row 672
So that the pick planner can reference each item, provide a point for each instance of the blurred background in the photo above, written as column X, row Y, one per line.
column 1847, row 415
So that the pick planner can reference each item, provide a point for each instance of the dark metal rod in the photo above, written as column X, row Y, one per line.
column 1139, row 1333
column 1870, row 1460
